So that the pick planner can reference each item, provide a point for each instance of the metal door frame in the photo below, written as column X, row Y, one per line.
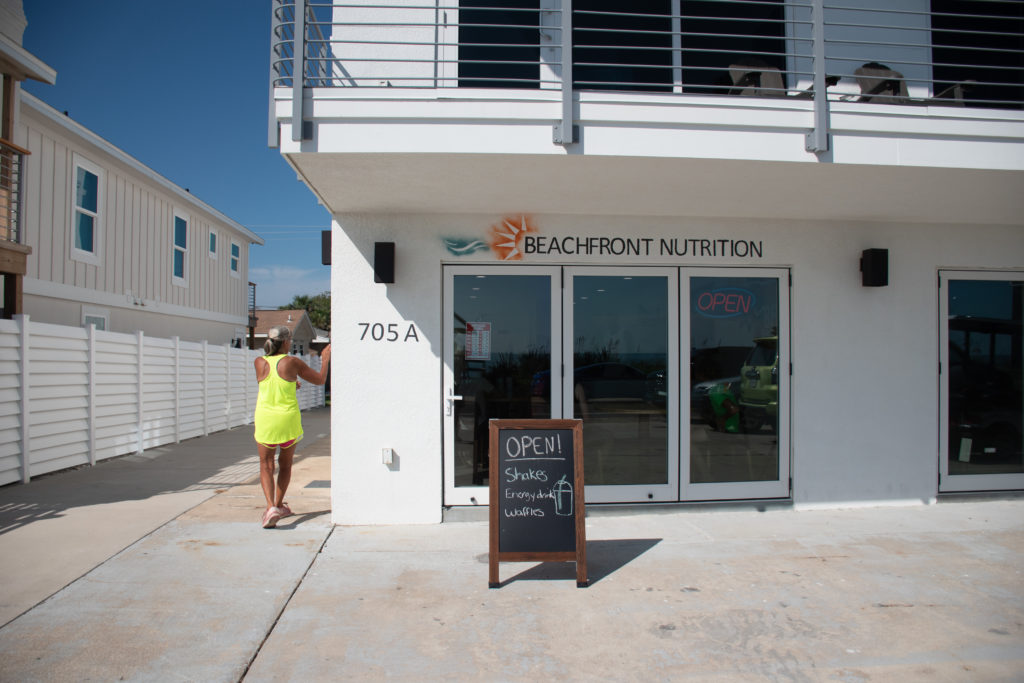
column 624, row 493
column 949, row 483
column 780, row 488
column 480, row 495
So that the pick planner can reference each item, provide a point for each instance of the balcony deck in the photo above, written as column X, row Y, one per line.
column 379, row 139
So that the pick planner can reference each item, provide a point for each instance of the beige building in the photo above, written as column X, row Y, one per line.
column 117, row 245
column 297, row 320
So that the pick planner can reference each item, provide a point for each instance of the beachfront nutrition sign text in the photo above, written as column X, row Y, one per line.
column 642, row 246
column 514, row 238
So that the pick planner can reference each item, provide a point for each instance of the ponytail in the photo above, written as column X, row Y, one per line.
column 272, row 346
column 277, row 337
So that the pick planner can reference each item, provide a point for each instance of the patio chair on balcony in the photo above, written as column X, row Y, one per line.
column 756, row 78
column 953, row 96
column 880, row 84
column 830, row 81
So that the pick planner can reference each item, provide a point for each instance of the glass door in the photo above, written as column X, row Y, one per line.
column 736, row 367
column 982, row 381
column 502, row 327
column 621, row 330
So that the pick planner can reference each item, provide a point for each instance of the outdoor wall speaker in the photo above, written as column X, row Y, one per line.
column 325, row 247
column 384, row 262
column 874, row 267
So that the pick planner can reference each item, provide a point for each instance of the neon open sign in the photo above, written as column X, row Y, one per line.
column 727, row 302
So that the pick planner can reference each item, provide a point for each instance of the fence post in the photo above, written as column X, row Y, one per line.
column 227, row 385
column 141, row 348
column 206, row 390
column 92, row 394
column 177, row 389
column 26, row 444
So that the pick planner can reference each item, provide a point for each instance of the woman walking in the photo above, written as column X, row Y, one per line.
column 278, row 420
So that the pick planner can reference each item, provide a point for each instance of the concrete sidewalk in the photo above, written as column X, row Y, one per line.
column 61, row 526
column 923, row 593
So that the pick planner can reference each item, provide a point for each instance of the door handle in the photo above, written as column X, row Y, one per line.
column 452, row 398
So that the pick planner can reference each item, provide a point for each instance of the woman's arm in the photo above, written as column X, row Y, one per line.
column 298, row 368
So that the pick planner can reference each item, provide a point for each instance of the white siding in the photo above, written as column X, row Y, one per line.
column 134, row 232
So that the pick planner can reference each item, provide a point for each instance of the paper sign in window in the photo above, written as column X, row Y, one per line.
column 478, row 341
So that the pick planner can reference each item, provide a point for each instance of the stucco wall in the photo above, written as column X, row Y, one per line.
column 864, row 405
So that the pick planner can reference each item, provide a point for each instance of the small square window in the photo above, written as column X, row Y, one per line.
column 100, row 317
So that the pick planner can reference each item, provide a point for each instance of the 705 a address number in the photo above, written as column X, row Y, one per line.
column 387, row 332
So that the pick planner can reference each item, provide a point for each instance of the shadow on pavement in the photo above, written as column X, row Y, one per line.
column 208, row 463
column 298, row 519
column 603, row 558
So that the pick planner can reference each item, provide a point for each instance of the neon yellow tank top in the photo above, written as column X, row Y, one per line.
column 277, row 416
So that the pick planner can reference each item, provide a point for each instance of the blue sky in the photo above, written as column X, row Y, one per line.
column 182, row 87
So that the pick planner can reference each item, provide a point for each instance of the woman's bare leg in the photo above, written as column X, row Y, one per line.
column 284, row 476
column 267, row 472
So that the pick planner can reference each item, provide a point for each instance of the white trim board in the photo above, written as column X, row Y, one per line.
column 36, row 287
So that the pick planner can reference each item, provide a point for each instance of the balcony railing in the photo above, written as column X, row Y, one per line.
column 964, row 53
column 11, row 160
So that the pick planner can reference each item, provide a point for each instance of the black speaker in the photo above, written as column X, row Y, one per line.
column 874, row 267
column 325, row 247
column 384, row 262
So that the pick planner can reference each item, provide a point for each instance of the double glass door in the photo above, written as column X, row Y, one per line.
column 675, row 373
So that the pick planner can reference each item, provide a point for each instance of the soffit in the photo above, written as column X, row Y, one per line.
column 466, row 183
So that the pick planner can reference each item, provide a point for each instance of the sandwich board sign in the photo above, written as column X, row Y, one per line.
column 537, row 509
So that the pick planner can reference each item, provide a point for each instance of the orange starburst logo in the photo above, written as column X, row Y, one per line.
column 507, row 237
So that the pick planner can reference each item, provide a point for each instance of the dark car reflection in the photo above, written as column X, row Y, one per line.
column 609, row 383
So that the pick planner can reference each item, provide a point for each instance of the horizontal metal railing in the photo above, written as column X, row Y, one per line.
column 11, row 161
column 972, row 56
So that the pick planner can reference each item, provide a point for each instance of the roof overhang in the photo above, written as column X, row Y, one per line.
column 16, row 60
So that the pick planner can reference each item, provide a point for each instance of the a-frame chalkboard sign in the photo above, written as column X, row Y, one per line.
column 537, row 505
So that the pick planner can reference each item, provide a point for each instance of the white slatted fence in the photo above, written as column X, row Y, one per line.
column 71, row 396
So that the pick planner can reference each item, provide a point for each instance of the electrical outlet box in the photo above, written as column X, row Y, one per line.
column 388, row 456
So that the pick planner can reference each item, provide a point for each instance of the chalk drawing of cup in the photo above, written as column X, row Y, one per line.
column 562, row 493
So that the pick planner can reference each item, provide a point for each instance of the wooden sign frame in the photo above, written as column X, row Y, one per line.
column 496, row 554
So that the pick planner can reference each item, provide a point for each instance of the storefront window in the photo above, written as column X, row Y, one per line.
column 501, row 363
column 734, row 379
column 986, row 341
column 620, row 381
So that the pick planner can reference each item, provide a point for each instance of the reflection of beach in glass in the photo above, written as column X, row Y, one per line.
column 562, row 493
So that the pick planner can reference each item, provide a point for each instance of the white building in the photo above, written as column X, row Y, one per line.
column 767, row 251
column 117, row 245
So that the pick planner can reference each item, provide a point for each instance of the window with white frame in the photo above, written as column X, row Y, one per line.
column 179, row 247
column 87, row 210
column 236, row 258
column 213, row 244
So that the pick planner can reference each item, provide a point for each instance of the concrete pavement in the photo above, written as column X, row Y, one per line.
column 60, row 526
column 195, row 590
